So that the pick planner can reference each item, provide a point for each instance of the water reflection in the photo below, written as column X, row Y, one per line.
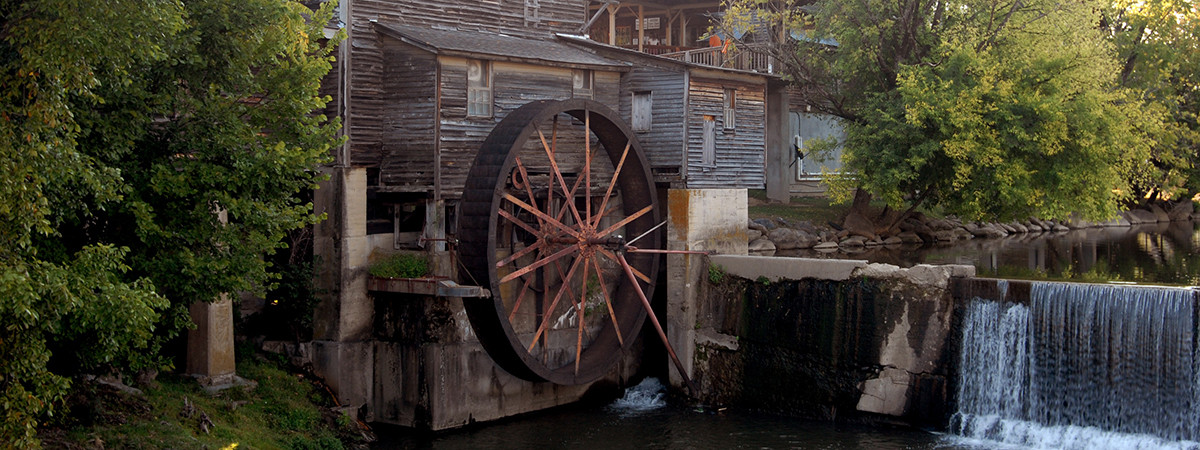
column 1164, row 253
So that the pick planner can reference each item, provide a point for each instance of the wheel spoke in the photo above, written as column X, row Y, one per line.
column 607, row 302
column 529, row 186
column 587, row 167
column 558, row 174
column 548, row 220
column 579, row 313
column 525, row 251
column 550, row 311
column 631, row 218
column 636, row 272
column 521, row 296
column 539, row 263
column 519, row 222
column 608, row 193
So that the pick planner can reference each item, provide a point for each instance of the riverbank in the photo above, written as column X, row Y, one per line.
column 281, row 408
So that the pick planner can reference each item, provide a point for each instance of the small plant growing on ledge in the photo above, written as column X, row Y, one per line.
column 716, row 273
column 401, row 265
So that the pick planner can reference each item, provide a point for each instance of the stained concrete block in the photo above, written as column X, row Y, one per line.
column 210, row 355
column 345, row 368
column 777, row 268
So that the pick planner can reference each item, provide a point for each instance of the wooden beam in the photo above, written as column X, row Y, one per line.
column 641, row 29
column 612, row 24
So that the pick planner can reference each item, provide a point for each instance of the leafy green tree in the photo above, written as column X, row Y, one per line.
column 1158, row 49
column 151, row 155
column 988, row 109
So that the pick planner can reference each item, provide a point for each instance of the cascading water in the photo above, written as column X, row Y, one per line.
column 1082, row 366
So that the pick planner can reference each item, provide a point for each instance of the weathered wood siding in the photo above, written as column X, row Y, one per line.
column 409, row 118
column 511, row 17
column 663, row 143
column 513, row 85
column 740, row 152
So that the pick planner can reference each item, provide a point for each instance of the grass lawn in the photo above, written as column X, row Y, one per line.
column 284, row 411
column 819, row 211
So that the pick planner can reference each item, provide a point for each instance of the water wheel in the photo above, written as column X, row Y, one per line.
column 557, row 192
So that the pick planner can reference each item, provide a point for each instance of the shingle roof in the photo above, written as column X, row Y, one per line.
column 470, row 43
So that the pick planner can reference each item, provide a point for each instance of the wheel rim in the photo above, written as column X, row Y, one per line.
column 545, row 213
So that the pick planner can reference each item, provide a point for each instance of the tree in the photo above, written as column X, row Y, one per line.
column 988, row 109
column 1158, row 49
column 130, row 129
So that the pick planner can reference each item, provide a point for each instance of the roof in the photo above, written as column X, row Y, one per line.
column 581, row 40
column 478, row 43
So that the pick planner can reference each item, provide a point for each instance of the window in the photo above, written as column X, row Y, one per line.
column 581, row 83
column 642, row 111
column 709, row 155
column 730, row 107
column 479, row 88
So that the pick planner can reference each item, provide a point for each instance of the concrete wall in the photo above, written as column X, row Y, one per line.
column 827, row 339
column 709, row 220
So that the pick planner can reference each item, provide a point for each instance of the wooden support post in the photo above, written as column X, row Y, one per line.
column 670, row 27
column 641, row 28
column 612, row 24
column 683, row 31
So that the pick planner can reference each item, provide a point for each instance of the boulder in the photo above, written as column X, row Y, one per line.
column 920, row 229
column 896, row 240
column 762, row 245
column 858, row 225
column 1059, row 228
column 766, row 224
column 909, row 237
column 1018, row 227
column 1006, row 227
column 945, row 235
column 826, row 247
column 1140, row 216
column 1034, row 227
column 961, row 233
column 754, row 225
column 988, row 231
column 751, row 235
column 1119, row 221
column 1182, row 211
column 853, row 242
column 1159, row 214
column 788, row 239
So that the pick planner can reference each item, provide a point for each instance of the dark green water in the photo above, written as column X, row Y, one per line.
column 1165, row 253
column 641, row 421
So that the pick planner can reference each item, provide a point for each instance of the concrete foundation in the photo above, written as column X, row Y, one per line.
column 708, row 220
column 828, row 339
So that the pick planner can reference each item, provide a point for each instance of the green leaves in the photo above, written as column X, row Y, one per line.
column 152, row 152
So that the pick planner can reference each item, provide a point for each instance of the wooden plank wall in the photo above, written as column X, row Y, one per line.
column 510, row 17
column 741, row 152
column 514, row 85
column 663, row 144
column 409, row 116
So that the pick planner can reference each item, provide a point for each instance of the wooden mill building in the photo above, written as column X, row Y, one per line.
column 419, row 85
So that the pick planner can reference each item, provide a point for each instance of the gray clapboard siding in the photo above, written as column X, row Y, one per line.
column 409, row 119
column 662, row 142
column 740, row 153
column 506, row 16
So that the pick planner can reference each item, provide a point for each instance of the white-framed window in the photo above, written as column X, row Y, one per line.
column 581, row 83
column 729, row 121
column 642, row 111
column 479, row 88
column 709, row 146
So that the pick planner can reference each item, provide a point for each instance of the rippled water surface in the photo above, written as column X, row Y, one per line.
column 1148, row 254
column 645, row 420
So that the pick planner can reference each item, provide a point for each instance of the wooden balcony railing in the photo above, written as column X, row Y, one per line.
column 717, row 57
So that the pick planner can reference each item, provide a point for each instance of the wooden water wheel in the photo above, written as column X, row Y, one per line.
column 558, row 196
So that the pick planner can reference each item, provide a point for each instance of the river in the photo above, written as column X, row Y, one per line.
column 644, row 419
column 1164, row 253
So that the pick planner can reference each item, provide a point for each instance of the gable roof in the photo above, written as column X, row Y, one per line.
column 476, row 44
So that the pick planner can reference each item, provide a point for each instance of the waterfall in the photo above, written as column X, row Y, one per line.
column 1082, row 366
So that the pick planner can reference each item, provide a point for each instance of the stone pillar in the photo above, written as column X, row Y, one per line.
column 711, row 220
column 342, row 322
column 210, row 346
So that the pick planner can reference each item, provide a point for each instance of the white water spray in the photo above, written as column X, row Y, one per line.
column 648, row 395
column 1083, row 366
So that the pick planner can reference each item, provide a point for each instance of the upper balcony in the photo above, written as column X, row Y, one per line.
column 676, row 29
